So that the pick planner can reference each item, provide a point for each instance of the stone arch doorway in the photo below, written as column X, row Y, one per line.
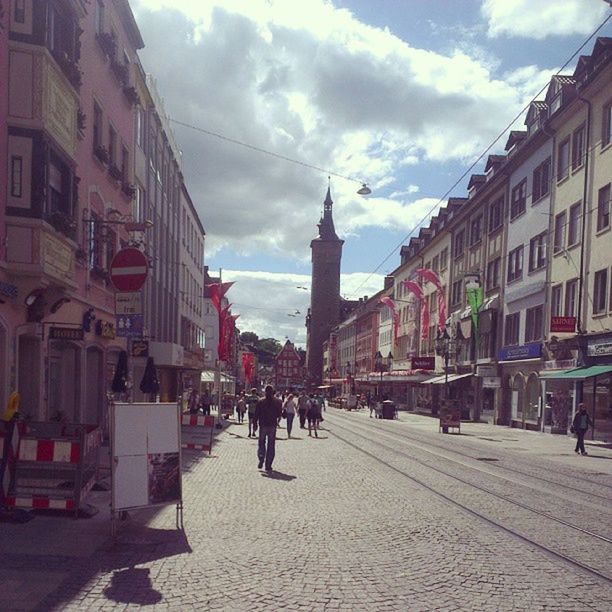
column 518, row 398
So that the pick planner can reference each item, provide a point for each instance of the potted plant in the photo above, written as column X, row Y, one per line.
column 108, row 42
column 120, row 70
column 131, row 94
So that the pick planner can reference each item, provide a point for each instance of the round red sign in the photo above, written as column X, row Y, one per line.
column 129, row 269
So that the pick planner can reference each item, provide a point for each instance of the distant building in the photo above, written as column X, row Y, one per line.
column 288, row 367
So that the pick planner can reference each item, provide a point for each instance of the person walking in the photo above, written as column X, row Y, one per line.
column 313, row 415
column 582, row 421
column 251, row 402
column 302, row 404
column 241, row 407
column 205, row 402
column 267, row 412
column 193, row 403
column 290, row 409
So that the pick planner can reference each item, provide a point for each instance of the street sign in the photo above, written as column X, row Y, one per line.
column 128, row 303
column 140, row 348
column 130, row 326
column 128, row 270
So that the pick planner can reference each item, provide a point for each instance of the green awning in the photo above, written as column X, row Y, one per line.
column 577, row 373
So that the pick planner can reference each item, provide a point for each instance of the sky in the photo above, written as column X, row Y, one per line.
column 401, row 94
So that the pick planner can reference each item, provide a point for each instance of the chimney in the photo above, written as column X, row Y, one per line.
column 389, row 280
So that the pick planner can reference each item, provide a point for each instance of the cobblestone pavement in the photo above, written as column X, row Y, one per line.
column 333, row 529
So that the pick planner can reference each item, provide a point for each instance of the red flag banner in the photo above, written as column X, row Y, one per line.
column 248, row 364
column 390, row 304
column 217, row 292
column 417, row 290
column 434, row 279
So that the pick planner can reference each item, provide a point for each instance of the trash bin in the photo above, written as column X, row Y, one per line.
column 388, row 409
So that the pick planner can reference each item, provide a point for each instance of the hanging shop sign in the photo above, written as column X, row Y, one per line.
column 128, row 303
column 140, row 348
column 105, row 329
column 533, row 350
column 130, row 326
column 423, row 363
column 66, row 333
column 486, row 371
column 563, row 325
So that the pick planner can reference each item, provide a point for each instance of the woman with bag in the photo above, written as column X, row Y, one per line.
column 289, row 410
column 313, row 415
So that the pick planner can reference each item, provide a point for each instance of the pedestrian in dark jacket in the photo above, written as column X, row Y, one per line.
column 267, row 412
column 582, row 421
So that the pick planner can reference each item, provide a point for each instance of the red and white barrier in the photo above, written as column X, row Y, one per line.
column 197, row 432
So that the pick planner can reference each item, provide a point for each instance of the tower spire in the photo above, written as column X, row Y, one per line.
column 327, row 231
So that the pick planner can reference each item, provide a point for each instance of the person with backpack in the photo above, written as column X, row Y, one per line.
column 267, row 411
column 302, row 404
column 313, row 415
column 251, row 402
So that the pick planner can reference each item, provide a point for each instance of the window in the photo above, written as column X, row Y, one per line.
column 541, row 181
column 606, row 135
column 515, row 264
column 476, row 230
column 534, row 323
column 573, row 229
column 559, row 244
column 496, row 214
column 112, row 145
column 58, row 187
column 563, row 159
column 459, row 245
column 140, row 134
column 456, row 292
column 16, row 176
column 571, row 291
column 600, row 291
column 137, row 204
column 519, row 198
column 603, row 208
column 578, row 148
column 61, row 33
column 493, row 270
column 555, row 300
column 125, row 164
column 19, row 11
column 444, row 258
column 511, row 332
column 99, row 17
column 435, row 263
column 97, row 126
column 95, row 242
column 537, row 252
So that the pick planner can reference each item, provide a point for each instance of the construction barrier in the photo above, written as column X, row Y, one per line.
column 56, row 466
column 197, row 432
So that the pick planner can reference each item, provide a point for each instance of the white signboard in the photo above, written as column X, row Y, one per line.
column 146, row 456
column 597, row 348
column 491, row 382
column 128, row 303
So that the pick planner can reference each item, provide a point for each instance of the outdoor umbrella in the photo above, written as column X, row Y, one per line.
column 121, row 374
column 149, row 382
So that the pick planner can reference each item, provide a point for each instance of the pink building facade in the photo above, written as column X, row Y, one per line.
column 67, row 157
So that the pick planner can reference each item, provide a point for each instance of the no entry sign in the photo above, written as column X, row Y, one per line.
column 128, row 270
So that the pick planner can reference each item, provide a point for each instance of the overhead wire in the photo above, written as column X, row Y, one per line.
column 481, row 156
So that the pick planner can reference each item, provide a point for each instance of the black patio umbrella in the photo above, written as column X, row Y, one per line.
column 149, row 382
column 119, row 384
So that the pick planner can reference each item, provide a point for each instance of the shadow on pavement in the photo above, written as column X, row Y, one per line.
column 133, row 586
column 274, row 475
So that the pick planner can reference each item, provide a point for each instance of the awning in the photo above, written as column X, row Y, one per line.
column 207, row 376
column 432, row 381
column 491, row 303
column 324, row 386
column 441, row 380
column 578, row 373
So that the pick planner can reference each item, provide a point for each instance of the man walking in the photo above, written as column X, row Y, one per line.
column 268, row 411
column 582, row 421
column 251, row 402
column 302, row 408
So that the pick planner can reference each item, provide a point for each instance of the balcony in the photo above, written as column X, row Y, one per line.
column 36, row 251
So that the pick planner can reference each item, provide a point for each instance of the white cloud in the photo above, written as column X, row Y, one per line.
column 310, row 82
column 268, row 301
column 541, row 18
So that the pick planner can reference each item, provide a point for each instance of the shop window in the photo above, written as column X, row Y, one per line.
column 603, row 208
column 519, row 200
column 600, row 291
column 518, row 397
column 541, row 181
column 578, row 148
column 534, row 324
column 563, row 159
column 573, row 229
column 511, row 329
column 532, row 399
column 515, row 264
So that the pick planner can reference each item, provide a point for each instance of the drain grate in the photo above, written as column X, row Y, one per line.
column 486, row 459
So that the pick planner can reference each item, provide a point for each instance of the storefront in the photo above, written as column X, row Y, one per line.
column 521, row 405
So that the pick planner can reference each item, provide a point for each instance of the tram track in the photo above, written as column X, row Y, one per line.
column 476, row 450
column 594, row 538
